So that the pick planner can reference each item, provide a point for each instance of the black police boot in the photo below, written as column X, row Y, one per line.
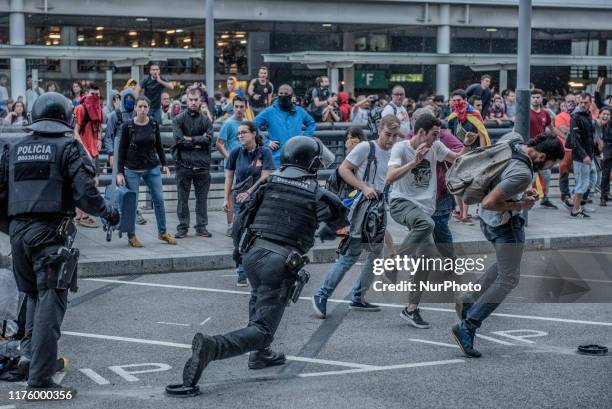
column 203, row 349
column 264, row 358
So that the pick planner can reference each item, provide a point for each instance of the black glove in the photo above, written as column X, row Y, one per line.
column 112, row 215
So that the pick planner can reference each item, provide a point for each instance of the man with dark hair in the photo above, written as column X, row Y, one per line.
column 320, row 98
column 581, row 142
column 152, row 87
column 502, row 223
column 284, row 120
column 193, row 134
column 476, row 102
column 228, row 140
column 260, row 91
column 482, row 90
column 413, row 171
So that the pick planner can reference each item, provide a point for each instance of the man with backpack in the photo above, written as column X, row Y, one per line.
column 502, row 223
column 364, row 168
column 319, row 98
column 396, row 108
column 413, row 173
column 116, row 119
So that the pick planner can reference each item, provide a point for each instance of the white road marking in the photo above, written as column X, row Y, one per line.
column 499, row 341
column 94, row 376
column 188, row 346
column 59, row 377
column 172, row 323
column 129, row 375
column 527, row 317
column 425, row 341
column 527, row 333
column 584, row 251
column 8, row 407
column 229, row 275
column 381, row 368
column 205, row 321
column 586, row 280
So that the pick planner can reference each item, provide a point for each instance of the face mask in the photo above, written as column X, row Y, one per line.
column 285, row 102
column 128, row 104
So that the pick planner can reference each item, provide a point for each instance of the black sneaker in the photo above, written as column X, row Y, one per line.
column 465, row 340
column 364, row 306
column 203, row 233
column 319, row 304
column 140, row 219
column 568, row 203
column 414, row 318
column 180, row 234
column 202, row 352
column 603, row 203
column 242, row 282
column 580, row 214
column 265, row 358
column 546, row 203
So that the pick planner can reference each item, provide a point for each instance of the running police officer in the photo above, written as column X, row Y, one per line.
column 279, row 225
column 46, row 174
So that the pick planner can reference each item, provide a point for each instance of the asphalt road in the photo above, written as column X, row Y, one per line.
column 128, row 337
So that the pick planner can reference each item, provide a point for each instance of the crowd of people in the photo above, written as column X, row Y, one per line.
column 283, row 114
column 401, row 170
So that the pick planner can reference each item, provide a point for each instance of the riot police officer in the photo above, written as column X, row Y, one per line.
column 46, row 175
column 279, row 222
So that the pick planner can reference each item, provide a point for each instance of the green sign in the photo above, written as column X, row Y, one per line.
column 370, row 79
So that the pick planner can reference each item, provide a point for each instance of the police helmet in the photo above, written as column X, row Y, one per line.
column 305, row 153
column 51, row 114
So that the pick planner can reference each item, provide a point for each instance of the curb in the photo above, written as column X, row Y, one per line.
column 319, row 255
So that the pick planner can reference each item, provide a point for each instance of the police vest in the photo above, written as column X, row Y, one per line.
column 36, row 178
column 288, row 212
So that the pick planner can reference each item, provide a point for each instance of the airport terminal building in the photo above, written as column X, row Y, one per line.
column 363, row 45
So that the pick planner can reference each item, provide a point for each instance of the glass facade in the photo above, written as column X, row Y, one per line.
column 235, row 55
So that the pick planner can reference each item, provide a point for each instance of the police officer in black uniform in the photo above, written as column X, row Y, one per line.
column 46, row 174
column 280, row 222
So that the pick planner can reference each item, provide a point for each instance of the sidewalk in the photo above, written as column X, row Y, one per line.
column 548, row 229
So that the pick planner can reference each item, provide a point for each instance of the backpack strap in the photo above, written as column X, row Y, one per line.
column 520, row 156
column 371, row 159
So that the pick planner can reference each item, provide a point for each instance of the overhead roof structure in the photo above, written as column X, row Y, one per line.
column 345, row 59
column 97, row 53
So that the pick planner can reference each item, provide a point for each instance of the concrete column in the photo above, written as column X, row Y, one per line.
column 135, row 73
column 333, row 79
column 109, row 88
column 523, row 96
column 17, row 37
column 209, row 47
column 69, row 38
column 348, row 74
column 443, row 47
column 503, row 80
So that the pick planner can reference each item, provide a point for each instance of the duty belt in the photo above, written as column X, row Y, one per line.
column 271, row 246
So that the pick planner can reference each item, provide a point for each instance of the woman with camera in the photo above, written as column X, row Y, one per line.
column 246, row 167
column 141, row 155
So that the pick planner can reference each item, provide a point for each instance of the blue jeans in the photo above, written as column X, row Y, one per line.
column 503, row 276
column 239, row 267
column 442, row 236
column 584, row 177
column 344, row 263
column 153, row 180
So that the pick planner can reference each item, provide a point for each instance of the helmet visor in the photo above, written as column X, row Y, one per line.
column 326, row 157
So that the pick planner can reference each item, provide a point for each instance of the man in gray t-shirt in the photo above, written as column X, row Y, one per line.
column 352, row 170
column 502, row 224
